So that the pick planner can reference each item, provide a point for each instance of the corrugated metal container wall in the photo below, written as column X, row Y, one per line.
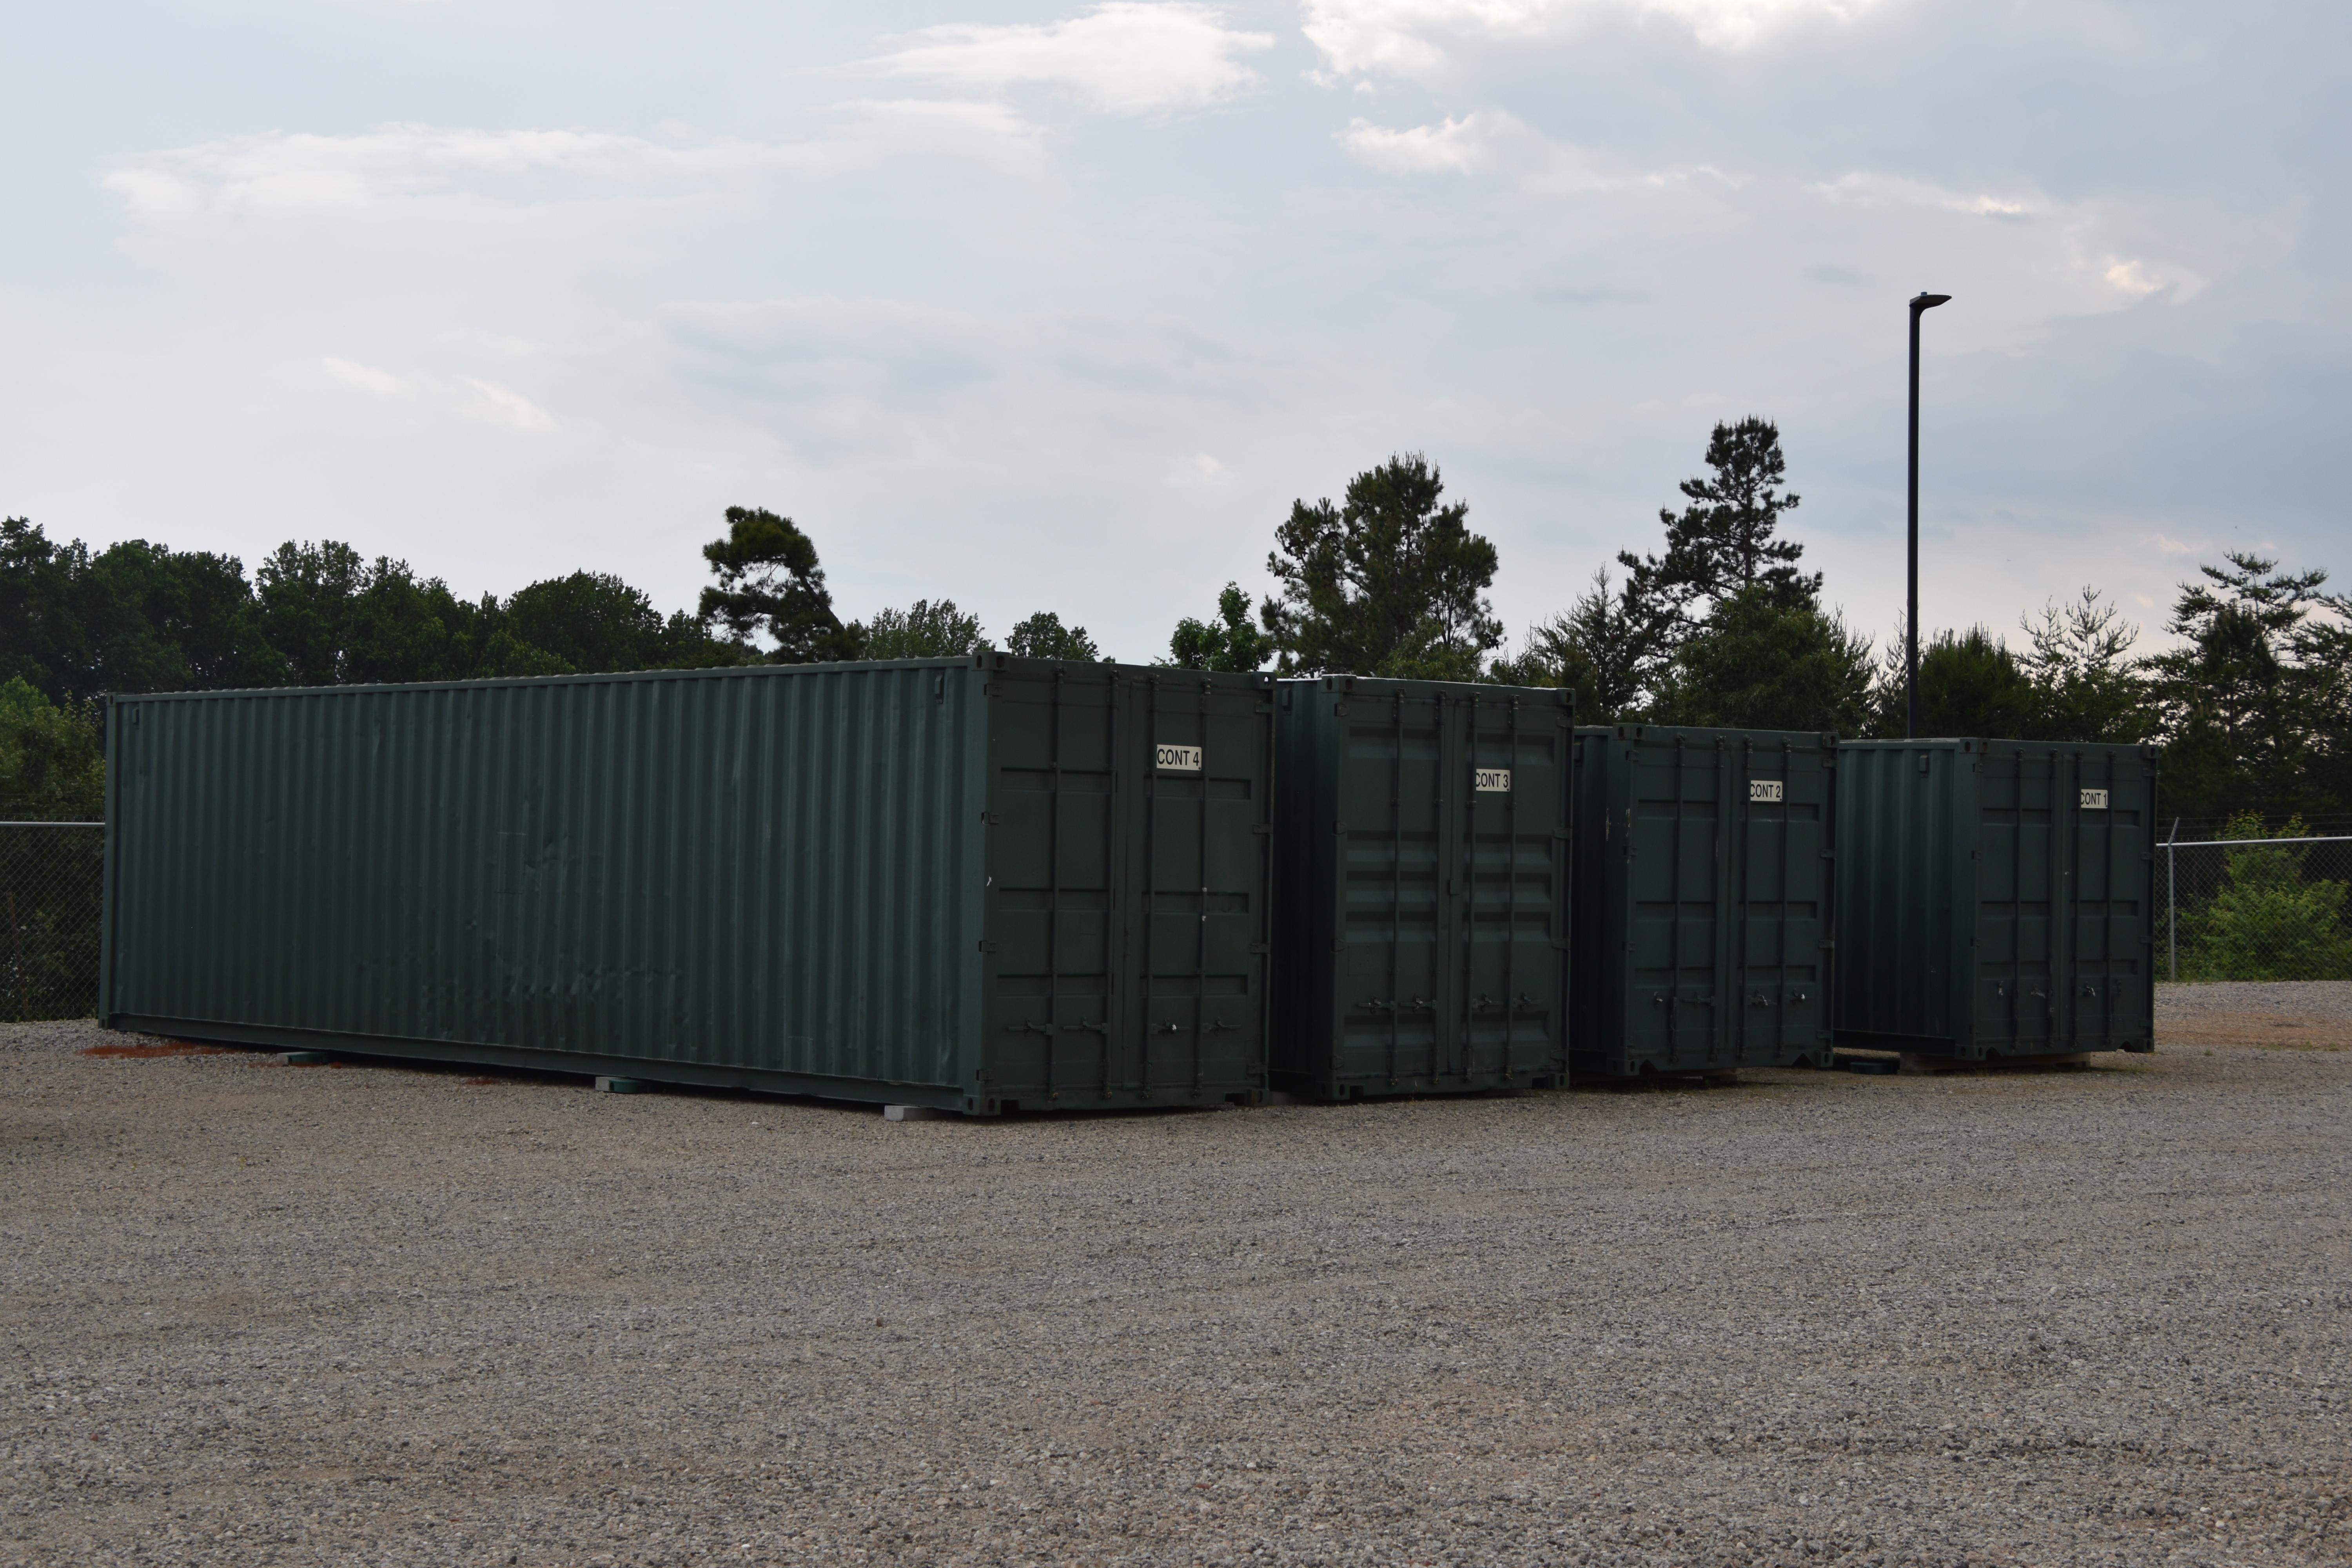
column 1704, row 899
column 1996, row 897
column 843, row 880
column 1423, row 834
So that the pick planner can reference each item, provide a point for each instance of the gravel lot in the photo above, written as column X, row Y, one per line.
column 266, row 1314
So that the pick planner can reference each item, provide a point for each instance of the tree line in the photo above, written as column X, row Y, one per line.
column 1718, row 625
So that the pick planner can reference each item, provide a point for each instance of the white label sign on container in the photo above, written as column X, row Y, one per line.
column 1180, row 759
column 2095, row 800
column 1767, row 789
column 1492, row 781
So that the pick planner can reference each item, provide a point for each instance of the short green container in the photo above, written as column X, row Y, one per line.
column 968, row 883
column 1421, row 885
column 1703, row 900
column 1996, row 897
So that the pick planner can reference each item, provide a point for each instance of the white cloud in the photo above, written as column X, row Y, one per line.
column 1868, row 188
column 280, row 174
column 1124, row 56
column 468, row 398
column 1403, row 37
column 2140, row 278
column 1197, row 472
column 2170, row 546
column 1490, row 140
column 367, row 378
column 1456, row 146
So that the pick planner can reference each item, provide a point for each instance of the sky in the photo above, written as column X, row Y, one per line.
column 1060, row 306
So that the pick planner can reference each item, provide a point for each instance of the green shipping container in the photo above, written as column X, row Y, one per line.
column 1703, row 901
column 971, row 884
column 1995, row 897
column 1423, row 834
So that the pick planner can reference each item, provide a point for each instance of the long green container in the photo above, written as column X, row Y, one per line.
column 973, row 884
column 1995, row 897
column 1423, row 877
column 1703, row 900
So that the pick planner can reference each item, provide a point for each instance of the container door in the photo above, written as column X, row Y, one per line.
column 1393, row 920
column 1510, row 778
column 1677, row 790
column 2017, row 878
column 1783, row 902
column 2109, row 800
column 1195, row 887
column 1055, row 857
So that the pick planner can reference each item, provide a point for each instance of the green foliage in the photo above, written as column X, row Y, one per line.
column 1724, row 544
column 2267, row 921
column 1431, row 653
column 336, row 620
column 1391, row 574
column 52, row 762
column 142, row 618
column 589, row 620
column 1042, row 636
column 927, row 630
column 2087, row 686
column 769, row 580
column 134, row 617
column 1761, row 663
column 1602, row 645
column 2253, row 704
column 51, row 770
column 1969, row 684
column 1230, row 644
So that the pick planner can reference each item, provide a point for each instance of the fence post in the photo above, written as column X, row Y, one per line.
column 17, row 930
column 2172, row 903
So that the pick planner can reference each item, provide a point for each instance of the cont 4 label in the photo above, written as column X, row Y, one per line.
column 1180, row 759
column 2095, row 800
column 1492, row 781
column 1767, row 789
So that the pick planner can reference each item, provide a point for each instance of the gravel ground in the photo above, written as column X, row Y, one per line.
column 266, row 1314
column 2314, row 1014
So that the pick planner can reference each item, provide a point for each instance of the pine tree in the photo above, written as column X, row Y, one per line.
column 1724, row 543
column 769, row 578
column 1389, row 569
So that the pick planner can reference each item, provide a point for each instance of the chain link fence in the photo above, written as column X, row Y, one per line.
column 2255, row 909
column 49, row 898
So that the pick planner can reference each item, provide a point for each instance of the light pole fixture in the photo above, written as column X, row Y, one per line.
column 1911, row 611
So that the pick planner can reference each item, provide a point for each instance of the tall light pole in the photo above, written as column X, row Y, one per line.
column 1911, row 611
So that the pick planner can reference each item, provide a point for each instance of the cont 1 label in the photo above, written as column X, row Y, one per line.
column 2095, row 800
column 1180, row 759
column 1767, row 789
column 1493, row 781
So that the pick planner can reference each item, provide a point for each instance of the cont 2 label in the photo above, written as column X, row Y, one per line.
column 1492, row 781
column 1767, row 789
column 1180, row 759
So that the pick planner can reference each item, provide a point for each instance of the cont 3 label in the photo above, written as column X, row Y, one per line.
column 1492, row 781
column 1180, row 759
